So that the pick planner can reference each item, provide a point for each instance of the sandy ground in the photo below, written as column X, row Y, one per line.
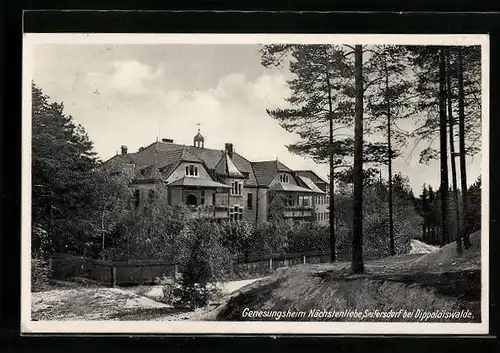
column 109, row 303
column 417, row 247
column 87, row 303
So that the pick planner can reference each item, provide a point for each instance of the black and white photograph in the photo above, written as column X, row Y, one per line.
column 216, row 183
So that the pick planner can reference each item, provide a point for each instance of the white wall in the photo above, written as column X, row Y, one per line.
column 276, row 179
column 262, row 200
column 180, row 172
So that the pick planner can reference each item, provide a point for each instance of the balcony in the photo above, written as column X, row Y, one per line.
column 208, row 211
column 298, row 211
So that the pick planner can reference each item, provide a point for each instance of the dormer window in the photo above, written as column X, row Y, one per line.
column 284, row 178
column 192, row 170
column 236, row 187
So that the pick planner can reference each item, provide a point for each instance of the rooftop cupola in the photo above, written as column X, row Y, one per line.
column 199, row 140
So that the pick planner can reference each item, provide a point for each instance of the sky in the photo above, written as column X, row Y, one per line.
column 133, row 94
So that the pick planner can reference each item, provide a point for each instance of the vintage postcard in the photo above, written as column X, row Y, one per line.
column 275, row 184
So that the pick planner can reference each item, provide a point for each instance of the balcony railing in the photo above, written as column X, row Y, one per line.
column 299, row 208
column 298, row 211
column 217, row 211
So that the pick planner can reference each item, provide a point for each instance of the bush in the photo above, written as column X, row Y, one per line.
column 406, row 225
column 307, row 237
column 41, row 242
column 151, row 233
column 40, row 273
column 204, row 261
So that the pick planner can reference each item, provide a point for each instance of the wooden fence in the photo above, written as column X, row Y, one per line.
column 111, row 272
column 117, row 273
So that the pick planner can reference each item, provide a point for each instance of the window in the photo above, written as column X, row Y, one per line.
column 192, row 170
column 236, row 187
column 151, row 195
column 289, row 201
column 249, row 201
column 202, row 202
column 236, row 213
column 213, row 199
column 137, row 198
column 284, row 178
column 305, row 201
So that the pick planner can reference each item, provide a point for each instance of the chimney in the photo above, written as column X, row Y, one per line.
column 167, row 140
column 124, row 149
column 229, row 149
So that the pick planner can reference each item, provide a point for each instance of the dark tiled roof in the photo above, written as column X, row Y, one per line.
column 310, row 184
column 245, row 166
column 213, row 157
column 117, row 161
column 293, row 188
column 163, row 157
column 226, row 167
column 209, row 156
column 311, row 175
column 266, row 170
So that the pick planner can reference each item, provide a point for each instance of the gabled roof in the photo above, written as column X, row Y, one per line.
column 312, row 175
column 265, row 171
column 310, row 184
column 245, row 167
column 165, row 156
column 226, row 167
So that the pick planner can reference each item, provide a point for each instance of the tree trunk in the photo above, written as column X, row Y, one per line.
column 443, row 149
column 357, row 265
column 452, row 150
column 388, row 108
column 331, row 211
column 103, row 233
column 424, row 218
column 461, row 134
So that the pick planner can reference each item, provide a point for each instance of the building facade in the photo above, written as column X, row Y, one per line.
column 220, row 184
column 321, row 201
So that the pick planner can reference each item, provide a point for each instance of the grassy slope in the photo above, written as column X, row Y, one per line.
column 441, row 280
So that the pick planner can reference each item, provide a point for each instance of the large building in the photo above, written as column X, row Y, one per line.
column 220, row 184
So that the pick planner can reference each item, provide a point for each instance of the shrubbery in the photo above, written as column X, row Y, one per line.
column 406, row 222
column 40, row 275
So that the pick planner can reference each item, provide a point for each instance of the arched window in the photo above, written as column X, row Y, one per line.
column 191, row 200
